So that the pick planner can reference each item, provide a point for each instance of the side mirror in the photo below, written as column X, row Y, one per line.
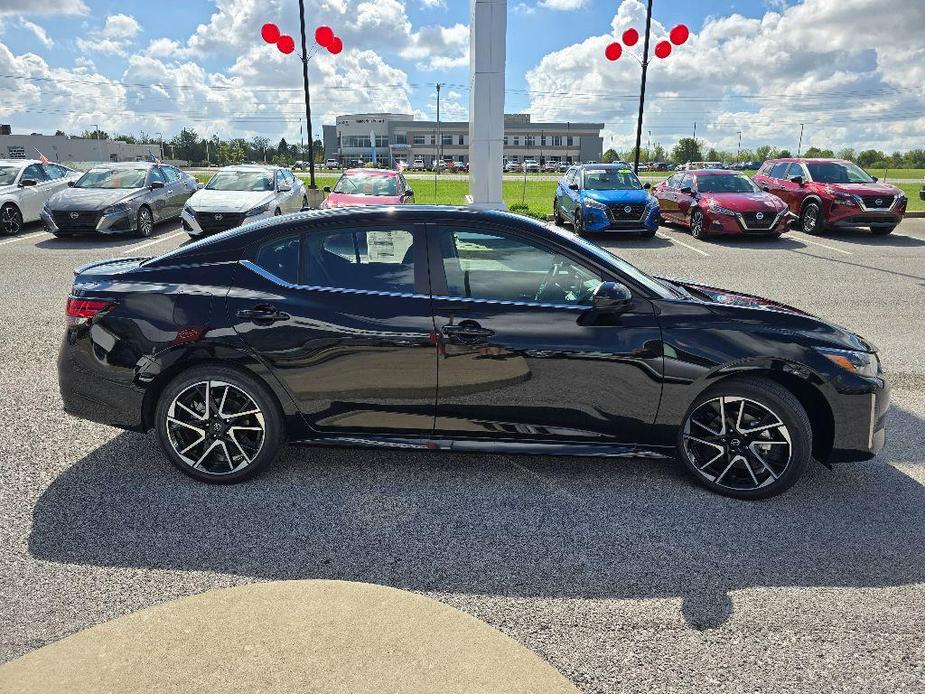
column 573, row 186
column 326, row 189
column 646, row 185
column 70, row 184
column 797, row 179
column 284, row 188
column 875, row 178
column 156, row 184
column 26, row 182
column 611, row 297
column 687, row 190
column 409, row 193
column 200, row 186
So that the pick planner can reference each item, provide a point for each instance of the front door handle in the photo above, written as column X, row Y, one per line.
column 467, row 331
column 262, row 314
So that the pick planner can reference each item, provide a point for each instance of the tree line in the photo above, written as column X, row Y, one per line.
column 690, row 149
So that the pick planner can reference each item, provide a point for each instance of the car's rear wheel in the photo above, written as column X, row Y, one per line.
column 882, row 229
column 697, row 225
column 811, row 219
column 144, row 222
column 10, row 219
column 746, row 439
column 218, row 424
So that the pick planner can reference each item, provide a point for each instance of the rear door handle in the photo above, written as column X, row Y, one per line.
column 262, row 314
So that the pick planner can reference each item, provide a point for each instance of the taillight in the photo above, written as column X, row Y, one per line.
column 79, row 311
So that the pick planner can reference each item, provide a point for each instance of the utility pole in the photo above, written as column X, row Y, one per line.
column 738, row 151
column 301, row 142
column 439, row 134
column 800, row 146
column 208, row 161
column 308, row 105
column 99, row 147
column 642, row 86
column 649, row 145
column 161, row 136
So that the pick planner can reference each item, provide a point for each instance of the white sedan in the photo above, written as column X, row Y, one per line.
column 236, row 195
column 25, row 186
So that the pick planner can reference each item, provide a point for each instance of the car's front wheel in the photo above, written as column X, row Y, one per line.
column 218, row 424
column 144, row 222
column 578, row 225
column 10, row 219
column 812, row 220
column 746, row 439
column 882, row 229
column 556, row 213
column 697, row 225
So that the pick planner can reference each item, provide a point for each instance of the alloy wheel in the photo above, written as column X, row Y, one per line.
column 811, row 218
column 145, row 222
column 10, row 220
column 215, row 427
column 737, row 443
column 697, row 224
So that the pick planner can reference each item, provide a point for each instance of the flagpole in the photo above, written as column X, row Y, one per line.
column 308, row 106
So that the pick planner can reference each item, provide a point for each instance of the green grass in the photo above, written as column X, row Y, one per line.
column 912, row 190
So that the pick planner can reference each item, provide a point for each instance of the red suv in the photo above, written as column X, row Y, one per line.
column 828, row 193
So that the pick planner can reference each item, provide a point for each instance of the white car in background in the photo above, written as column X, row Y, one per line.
column 25, row 186
column 531, row 166
column 236, row 195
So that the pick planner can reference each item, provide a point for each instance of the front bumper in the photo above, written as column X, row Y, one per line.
column 859, row 418
column 859, row 216
column 205, row 222
column 597, row 219
column 745, row 223
column 61, row 222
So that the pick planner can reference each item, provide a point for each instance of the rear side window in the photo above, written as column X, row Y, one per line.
column 171, row 174
column 280, row 257
column 364, row 259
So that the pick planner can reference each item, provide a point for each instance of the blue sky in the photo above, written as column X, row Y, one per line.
column 757, row 66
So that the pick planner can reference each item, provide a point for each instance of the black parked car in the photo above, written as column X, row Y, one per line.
column 456, row 329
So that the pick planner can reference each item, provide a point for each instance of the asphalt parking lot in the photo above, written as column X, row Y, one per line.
column 622, row 574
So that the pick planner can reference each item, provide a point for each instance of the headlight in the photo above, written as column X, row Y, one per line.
column 861, row 363
column 591, row 202
column 652, row 202
column 719, row 209
column 260, row 209
column 120, row 208
column 188, row 209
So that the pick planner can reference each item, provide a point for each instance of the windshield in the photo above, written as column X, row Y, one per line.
column 256, row 181
column 725, row 184
column 364, row 184
column 837, row 172
column 8, row 175
column 112, row 178
column 611, row 179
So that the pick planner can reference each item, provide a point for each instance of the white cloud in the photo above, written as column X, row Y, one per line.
column 431, row 4
column 47, row 7
column 37, row 31
column 114, row 38
column 850, row 88
column 438, row 47
column 563, row 5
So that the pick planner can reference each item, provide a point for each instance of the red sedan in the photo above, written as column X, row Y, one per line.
column 721, row 202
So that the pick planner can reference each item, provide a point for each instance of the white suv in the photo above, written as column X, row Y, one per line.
column 25, row 186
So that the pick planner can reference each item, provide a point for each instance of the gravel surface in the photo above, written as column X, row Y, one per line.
column 623, row 575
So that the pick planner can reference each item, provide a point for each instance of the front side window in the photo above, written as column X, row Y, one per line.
column 837, row 172
column 778, row 170
column 157, row 175
column 35, row 172
column 500, row 267
column 280, row 257
column 363, row 259
column 112, row 178
column 795, row 170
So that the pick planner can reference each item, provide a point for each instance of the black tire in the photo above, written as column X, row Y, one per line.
column 218, row 466
column 812, row 220
column 648, row 233
column 556, row 214
column 764, row 479
column 577, row 223
column 10, row 219
column 144, row 222
column 883, row 229
column 277, row 212
column 697, row 230
column 304, row 202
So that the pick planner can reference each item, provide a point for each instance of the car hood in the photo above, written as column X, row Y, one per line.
column 228, row 200
column 746, row 202
column 631, row 196
column 91, row 198
column 862, row 188
column 807, row 325
column 344, row 200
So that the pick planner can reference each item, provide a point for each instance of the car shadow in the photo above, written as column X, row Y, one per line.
column 743, row 242
column 611, row 239
column 865, row 237
column 80, row 241
column 492, row 524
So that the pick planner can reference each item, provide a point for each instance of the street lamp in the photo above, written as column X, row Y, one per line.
column 678, row 35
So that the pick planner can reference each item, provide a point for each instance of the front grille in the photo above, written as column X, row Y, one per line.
column 877, row 201
column 627, row 211
column 752, row 221
column 76, row 221
column 213, row 222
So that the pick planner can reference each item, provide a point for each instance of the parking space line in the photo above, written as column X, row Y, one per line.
column 23, row 238
column 132, row 249
column 803, row 239
column 680, row 242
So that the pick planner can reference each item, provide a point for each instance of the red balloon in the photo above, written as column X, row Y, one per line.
column 630, row 37
column 662, row 49
column 613, row 51
column 270, row 33
column 324, row 35
column 336, row 45
column 285, row 44
column 679, row 34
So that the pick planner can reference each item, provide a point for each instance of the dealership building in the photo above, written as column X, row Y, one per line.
column 392, row 137
column 62, row 148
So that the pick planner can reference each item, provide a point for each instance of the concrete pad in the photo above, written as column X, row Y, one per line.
column 305, row 636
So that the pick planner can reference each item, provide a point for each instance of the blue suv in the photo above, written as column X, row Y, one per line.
column 605, row 197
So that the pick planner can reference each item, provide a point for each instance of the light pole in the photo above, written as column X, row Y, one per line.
column 161, row 137
column 99, row 147
column 800, row 146
column 439, row 134
column 739, row 148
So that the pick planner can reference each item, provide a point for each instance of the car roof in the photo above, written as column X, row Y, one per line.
column 804, row 160
column 615, row 165
column 122, row 165
column 714, row 172
column 22, row 162
column 268, row 168
column 375, row 172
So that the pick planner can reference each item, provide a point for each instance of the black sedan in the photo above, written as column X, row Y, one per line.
column 454, row 329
